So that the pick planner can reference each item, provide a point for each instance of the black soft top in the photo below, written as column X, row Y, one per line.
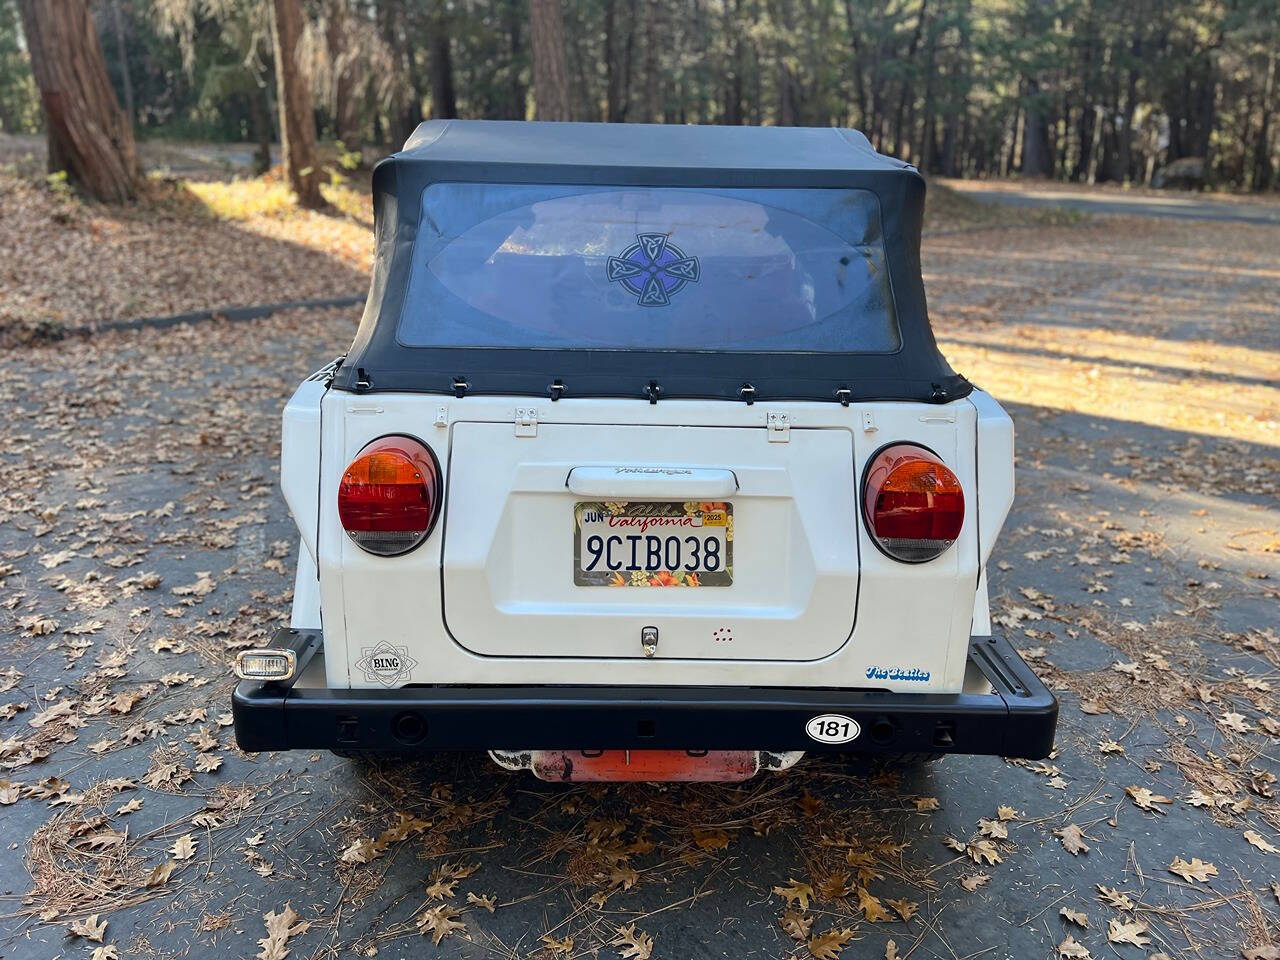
column 710, row 159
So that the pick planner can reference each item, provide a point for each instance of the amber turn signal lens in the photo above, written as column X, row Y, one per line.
column 389, row 497
column 912, row 503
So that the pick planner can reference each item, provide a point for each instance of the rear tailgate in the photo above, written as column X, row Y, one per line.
column 570, row 542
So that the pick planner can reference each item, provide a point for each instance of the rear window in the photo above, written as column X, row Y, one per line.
column 565, row 267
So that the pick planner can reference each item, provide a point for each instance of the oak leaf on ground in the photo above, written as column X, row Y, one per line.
column 827, row 946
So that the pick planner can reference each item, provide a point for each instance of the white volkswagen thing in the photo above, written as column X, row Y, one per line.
column 644, row 464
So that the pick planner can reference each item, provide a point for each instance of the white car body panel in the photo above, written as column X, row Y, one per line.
column 908, row 617
column 508, row 544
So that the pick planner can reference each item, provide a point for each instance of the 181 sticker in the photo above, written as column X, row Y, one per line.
column 832, row 728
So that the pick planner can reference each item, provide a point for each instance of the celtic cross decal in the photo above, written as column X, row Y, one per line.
column 654, row 269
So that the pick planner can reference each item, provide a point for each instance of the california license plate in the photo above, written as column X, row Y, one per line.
column 652, row 544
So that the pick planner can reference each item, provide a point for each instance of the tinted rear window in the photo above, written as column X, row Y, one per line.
column 564, row 267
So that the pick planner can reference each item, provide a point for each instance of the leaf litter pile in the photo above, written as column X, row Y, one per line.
column 182, row 247
column 143, row 542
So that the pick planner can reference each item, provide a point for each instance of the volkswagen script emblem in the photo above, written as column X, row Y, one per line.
column 654, row 269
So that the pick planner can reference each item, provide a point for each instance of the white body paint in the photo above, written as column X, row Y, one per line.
column 489, row 598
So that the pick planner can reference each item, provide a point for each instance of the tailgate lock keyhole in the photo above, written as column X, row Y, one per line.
column 649, row 640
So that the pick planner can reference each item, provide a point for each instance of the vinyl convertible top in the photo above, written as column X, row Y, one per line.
column 647, row 260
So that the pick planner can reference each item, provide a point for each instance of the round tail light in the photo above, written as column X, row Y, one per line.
column 912, row 503
column 389, row 496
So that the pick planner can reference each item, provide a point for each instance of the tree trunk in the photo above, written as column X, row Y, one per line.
column 404, row 109
column 514, row 20
column 1037, row 159
column 617, row 65
column 122, row 51
column 346, row 104
column 926, row 153
column 907, row 92
column 1262, row 169
column 88, row 135
column 444, row 99
column 651, row 81
column 297, row 116
column 859, row 81
column 550, row 72
column 260, row 129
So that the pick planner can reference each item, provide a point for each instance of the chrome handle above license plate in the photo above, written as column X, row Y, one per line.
column 639, row 481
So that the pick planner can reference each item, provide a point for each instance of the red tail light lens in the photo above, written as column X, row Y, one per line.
column 912, row 503
column 389, row 497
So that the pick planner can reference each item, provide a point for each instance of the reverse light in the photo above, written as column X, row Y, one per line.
column 912, row 503
column 265, row 664
column 389, row 497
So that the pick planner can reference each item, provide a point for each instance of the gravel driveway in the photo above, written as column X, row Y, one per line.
column 143, row 539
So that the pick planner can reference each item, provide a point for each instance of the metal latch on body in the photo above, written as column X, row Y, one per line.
column 649, row 640
column 526, row 421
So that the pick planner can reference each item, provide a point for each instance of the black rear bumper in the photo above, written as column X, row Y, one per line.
column 1017, row 719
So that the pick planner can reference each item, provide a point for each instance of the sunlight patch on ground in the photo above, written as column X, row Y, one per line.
column 1100, row 388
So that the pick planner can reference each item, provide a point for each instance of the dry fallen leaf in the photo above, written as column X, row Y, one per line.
column 983, row 851
column 360, row 851
column 623, row 876
column 1144, row 798
column 711, row 839
column 557, row 948
column 1197, row 869
column 827, row 946
column 994, row 829
column 1114, row 898
column 1077, row 917
column 160, row 875
column 1071, row 949
column 440, row 921
column 974, row 881
column 891, row 951
column 1072, row 839
column 906, row 909
column 632, row 944
column 280, row 927
column 798, row 893
column 1234, row 721
column 871, row 907
column 796, row 925
column 107, row 952
column 184, row 848
column 483, row 902
column 1260, row 842
column 89, row 928
column 1128, row 931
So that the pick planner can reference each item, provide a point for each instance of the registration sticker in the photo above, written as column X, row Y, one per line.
column 620, row 543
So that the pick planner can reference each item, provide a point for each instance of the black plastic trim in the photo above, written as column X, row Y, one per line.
column 1017, row 720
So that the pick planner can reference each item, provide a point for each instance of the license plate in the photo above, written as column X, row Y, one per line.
column 612, row 766
column 652, row 544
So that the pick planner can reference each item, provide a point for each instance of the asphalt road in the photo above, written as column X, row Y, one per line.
column 1183, row 205
column 142, row 539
